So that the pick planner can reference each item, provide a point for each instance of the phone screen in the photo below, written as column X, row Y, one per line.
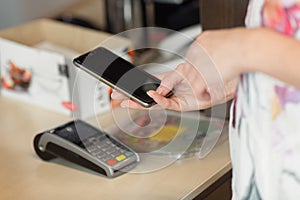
column 119, row 73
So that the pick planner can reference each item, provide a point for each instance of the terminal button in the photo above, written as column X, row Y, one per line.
column 121, row 157
column 111, row 161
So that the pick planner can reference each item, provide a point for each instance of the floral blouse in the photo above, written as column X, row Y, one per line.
column 265, row 132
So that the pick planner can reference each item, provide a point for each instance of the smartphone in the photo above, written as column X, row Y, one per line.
column 119, row 74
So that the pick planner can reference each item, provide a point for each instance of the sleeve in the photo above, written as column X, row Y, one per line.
column 253, row 17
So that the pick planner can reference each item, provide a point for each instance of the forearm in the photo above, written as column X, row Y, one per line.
column 274, row 54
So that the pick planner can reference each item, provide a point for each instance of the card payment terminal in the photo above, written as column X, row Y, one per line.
column 83, row 144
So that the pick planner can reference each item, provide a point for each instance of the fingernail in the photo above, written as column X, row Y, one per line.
column 112, row 95
column 150, row 92
column 124, row 104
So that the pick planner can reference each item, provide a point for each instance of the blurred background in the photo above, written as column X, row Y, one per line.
column 114, row 16
column 108, row 15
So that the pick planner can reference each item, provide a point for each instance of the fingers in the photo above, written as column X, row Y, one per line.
column 131, row 104
column 163, row 102
column 168, row 82
column 179, row 103
column 126, row 103
column 115, row 95
column 161, row 75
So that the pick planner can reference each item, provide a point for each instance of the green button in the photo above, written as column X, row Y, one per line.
column 128, row 153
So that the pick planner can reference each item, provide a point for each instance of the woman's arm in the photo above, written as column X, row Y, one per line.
column 274, row 54
column 218, row 57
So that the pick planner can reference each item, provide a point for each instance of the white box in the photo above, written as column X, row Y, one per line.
column 48, row 78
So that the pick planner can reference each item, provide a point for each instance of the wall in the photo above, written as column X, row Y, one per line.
column 216, row 14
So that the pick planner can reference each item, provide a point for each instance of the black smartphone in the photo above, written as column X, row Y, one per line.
column 119, row 74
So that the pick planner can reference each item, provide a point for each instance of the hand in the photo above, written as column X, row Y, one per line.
column 185, row 97
column 208, row 77
column 190, row 93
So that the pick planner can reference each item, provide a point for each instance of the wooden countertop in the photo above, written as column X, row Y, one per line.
column 24, row 176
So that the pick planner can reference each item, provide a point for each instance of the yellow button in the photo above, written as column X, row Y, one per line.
column 121, row 157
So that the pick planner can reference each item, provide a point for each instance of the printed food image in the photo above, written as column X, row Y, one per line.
column 145, row 135
column 17, row 78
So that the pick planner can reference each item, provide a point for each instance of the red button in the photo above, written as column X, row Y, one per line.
column 111, row 161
